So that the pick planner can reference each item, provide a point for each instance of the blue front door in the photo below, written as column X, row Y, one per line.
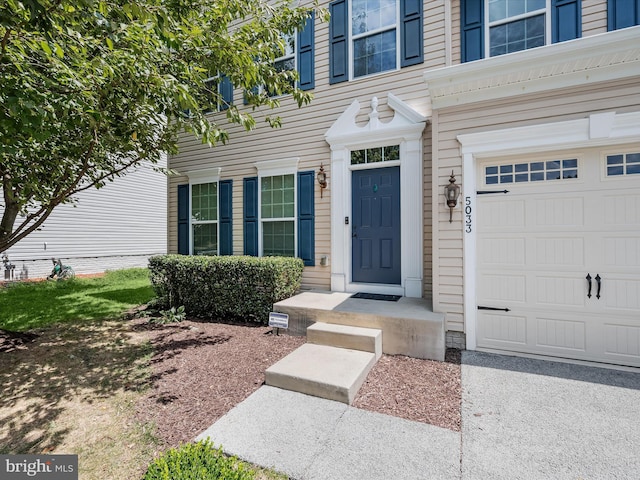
column 375, row 230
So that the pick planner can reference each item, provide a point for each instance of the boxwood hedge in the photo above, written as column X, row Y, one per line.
column 225, row 287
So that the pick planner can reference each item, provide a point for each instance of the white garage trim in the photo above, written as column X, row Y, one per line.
column 598, row 130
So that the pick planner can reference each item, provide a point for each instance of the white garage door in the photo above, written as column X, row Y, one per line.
column 559, row 255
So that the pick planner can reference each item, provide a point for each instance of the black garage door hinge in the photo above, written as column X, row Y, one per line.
column 482, row 307
column 489, row 192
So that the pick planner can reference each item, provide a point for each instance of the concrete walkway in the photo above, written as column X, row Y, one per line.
column 522, row 419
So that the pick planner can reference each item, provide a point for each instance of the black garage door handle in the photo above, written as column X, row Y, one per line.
column 599, row 285
column 589, row 280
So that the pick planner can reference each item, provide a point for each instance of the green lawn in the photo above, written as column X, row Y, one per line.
column 24, row 306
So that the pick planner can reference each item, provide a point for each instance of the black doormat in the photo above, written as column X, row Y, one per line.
column 377, row 296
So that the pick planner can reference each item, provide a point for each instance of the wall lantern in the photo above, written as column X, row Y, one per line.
column 451, row 193
column 322, row 179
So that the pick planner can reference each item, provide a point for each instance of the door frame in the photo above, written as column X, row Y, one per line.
column 405, row 129
column 597, row 130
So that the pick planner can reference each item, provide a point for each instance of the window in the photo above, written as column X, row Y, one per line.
column 531, row 171
column 204, row 218
column 374, row 155
column 516, row 25
column 277, row 214
column 287, row 61
column 219, row 92
column 373, row 36
column 496, row 27
column 623, row 164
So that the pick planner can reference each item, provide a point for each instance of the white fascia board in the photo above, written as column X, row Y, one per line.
column 205, row 175
column 597, row 58
column 282, row 166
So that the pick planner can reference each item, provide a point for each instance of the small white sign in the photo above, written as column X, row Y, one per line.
column 278, row 320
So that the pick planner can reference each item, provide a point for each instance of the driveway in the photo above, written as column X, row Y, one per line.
column 534, row 419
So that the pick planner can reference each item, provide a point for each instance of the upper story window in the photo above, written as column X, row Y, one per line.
column 373, row 36
column 287, row 61
column 219, row 92
column 516, row 25
column 622, row 14
column 496, row 27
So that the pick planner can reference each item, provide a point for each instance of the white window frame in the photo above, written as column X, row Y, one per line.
column 272, row 168
column 294, row 55
column 487, row 25
column 199, row 177
column 215, row 78
column 353, row 37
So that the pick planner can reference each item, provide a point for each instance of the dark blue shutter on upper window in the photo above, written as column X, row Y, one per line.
column 250, row 212
column 622, row 14
column 225, row 218
column 183, row 219
column 566, row 20
column 472, row 29
column 305, row 47
column 306, row 218
column 412, row 43
column 226, row 91
column 338, row 42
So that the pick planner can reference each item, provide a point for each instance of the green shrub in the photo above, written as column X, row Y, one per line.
column 237, row 287
column 197, row 461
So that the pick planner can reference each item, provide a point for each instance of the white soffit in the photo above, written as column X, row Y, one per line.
column 406, row 124
column 597, row 58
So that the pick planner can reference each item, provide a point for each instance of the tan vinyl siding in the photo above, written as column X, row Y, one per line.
column 563, row 104
column 594, row 21
column 302, row 136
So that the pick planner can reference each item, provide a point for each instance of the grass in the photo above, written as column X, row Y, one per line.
column 29, row 305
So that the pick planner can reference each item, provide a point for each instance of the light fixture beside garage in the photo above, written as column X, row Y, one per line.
column 322, row 179
column 451, row 193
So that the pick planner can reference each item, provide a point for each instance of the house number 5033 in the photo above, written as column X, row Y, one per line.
column 467, row 214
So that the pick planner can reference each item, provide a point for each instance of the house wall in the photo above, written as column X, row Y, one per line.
column 447, row 123
column 302, row 135
column 117, row 226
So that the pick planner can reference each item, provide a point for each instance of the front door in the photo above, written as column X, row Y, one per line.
column 375, row 229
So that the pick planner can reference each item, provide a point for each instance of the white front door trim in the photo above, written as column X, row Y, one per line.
column 405, row 129
column 598, row 130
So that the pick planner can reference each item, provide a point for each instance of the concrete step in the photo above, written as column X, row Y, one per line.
column 322, row 371
column 346, row 336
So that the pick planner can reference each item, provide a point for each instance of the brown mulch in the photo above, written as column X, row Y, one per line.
column 202, row 370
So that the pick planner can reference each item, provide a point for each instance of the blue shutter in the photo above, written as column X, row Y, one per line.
column 566, row 20
column 411, row 36
column 225, row 218
column 305, row 47
column 338, row 42
column 472, row 29
column 622, row 14
column 306, row 218
column 250, row 200
column 226, row 91
column 183, row 219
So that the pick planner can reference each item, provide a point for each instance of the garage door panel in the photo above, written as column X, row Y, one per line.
column 622, row 210
column 558, row 211
column 568, row 251
column 501, row 287
column 502, row 331
column 622, row 251
column 503, row 251
column 500, row 215
column 555, row 291
column 621, row 294
column 557, row 333
column 622, row 340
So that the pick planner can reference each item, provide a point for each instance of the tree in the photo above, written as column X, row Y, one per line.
column 91, row 88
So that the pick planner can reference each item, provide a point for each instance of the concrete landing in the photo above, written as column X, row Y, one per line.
column 409, row 326
column 322, row 371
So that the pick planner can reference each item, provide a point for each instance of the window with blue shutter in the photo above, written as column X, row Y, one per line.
column 515, row 25
column 369, row 35
column 622, row 14
column 305, row 52
column 306, row 218
column 225, row 217
column 183, row 219
column 250, row 214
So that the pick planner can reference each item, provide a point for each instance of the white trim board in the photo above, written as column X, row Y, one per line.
column 598, row 130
